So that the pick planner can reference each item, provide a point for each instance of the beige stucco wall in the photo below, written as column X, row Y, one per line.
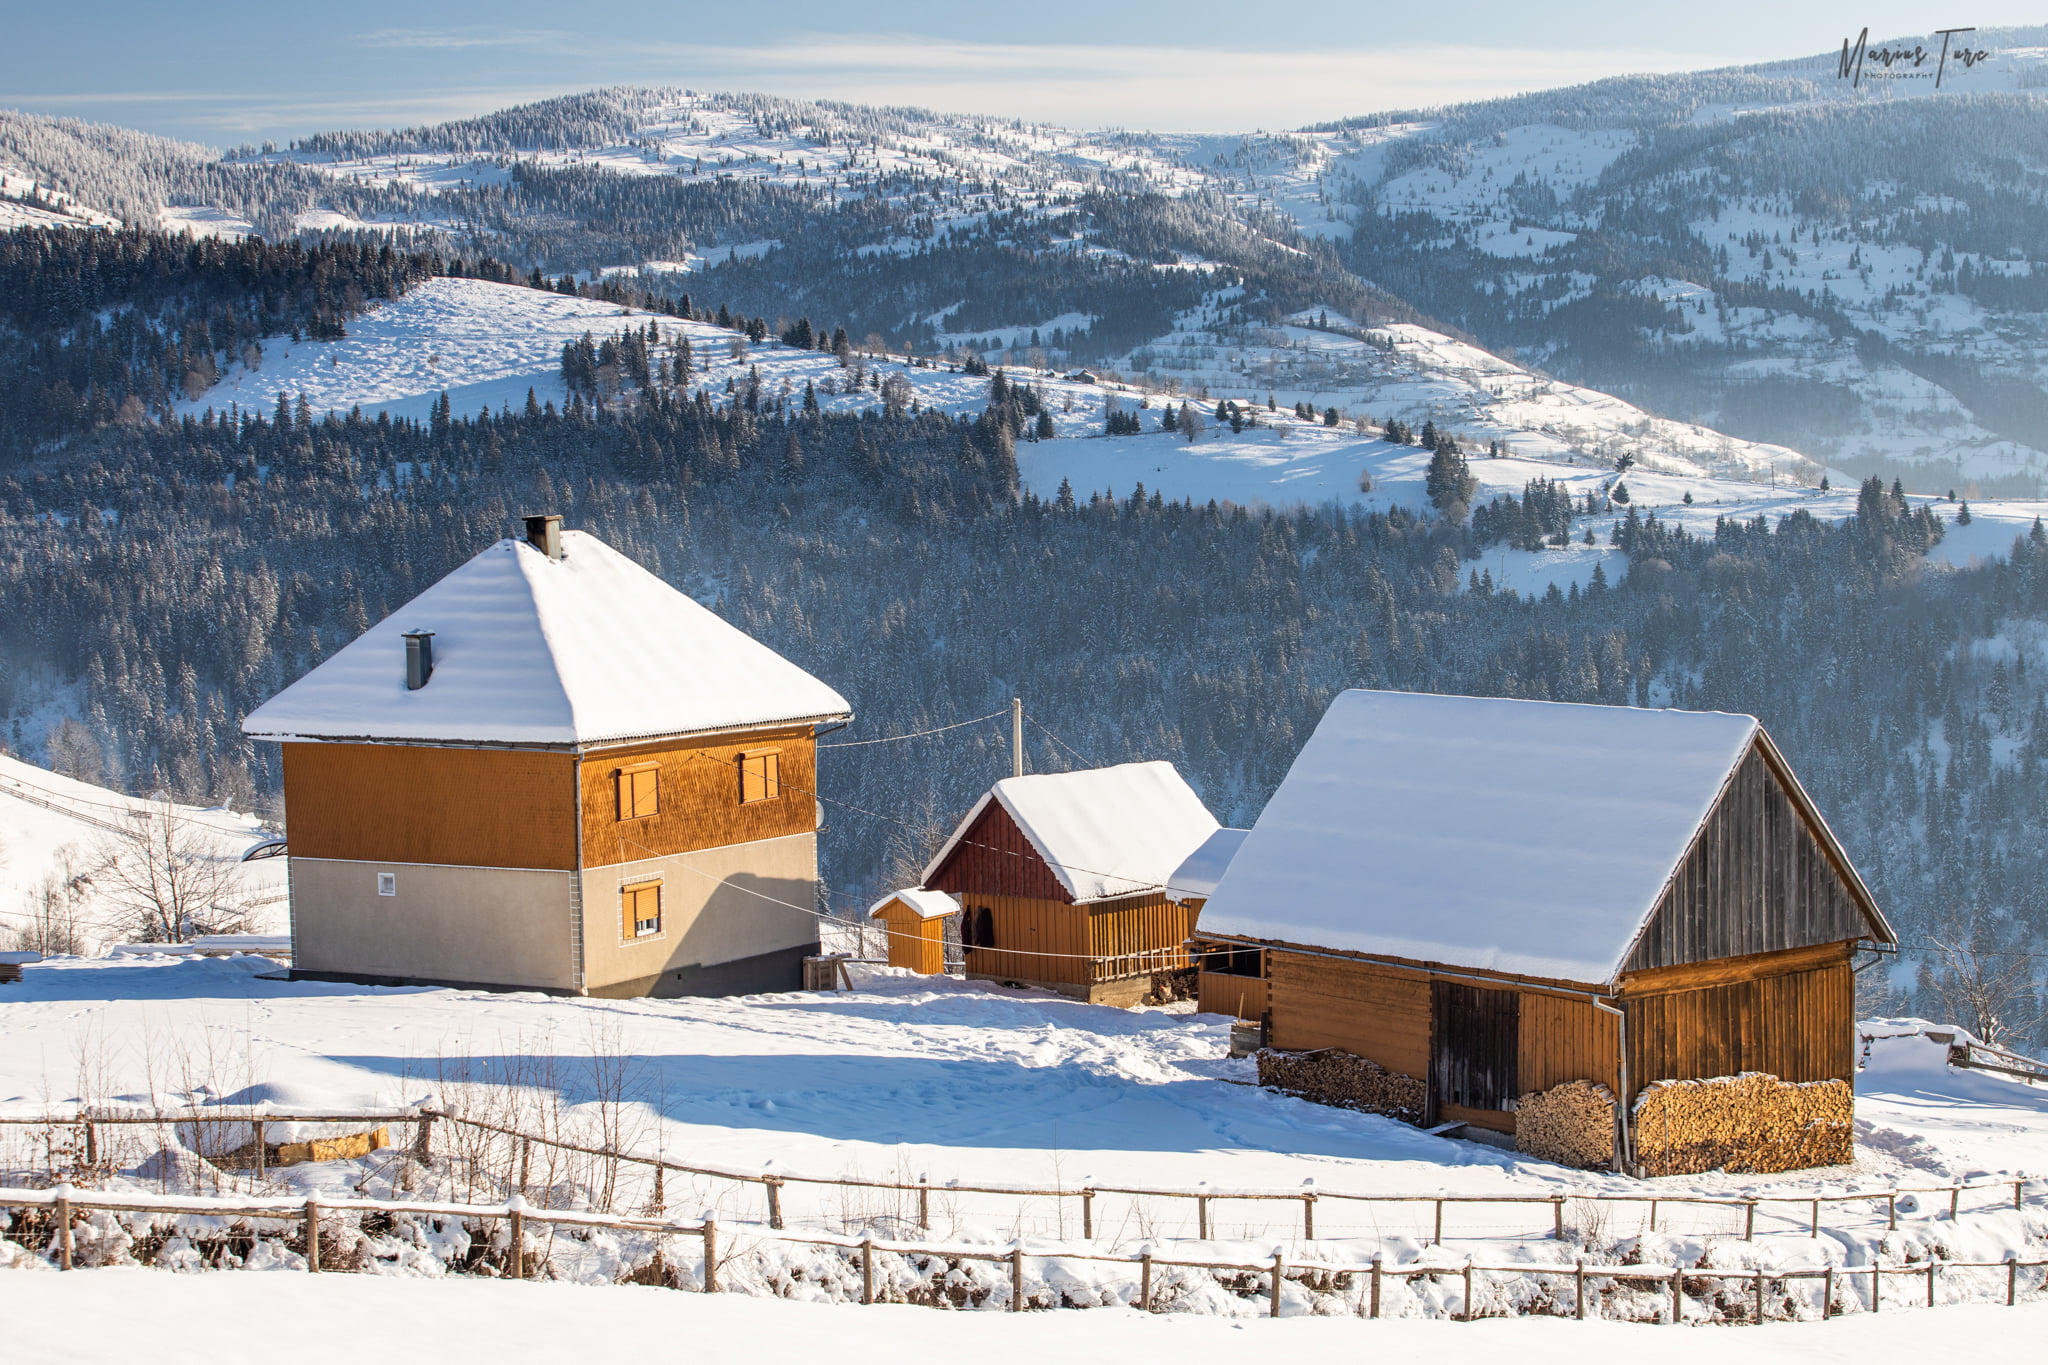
column 487, row 925
column 712, row 909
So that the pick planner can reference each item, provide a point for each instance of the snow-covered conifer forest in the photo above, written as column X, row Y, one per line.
column 1718, row 390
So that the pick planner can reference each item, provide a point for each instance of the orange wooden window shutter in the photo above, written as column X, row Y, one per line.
column 639, row 791
column 760, row 776
column 641, row 903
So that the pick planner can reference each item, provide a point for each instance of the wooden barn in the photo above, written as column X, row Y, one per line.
column 916, row 923
column 552, row 771
column 1503, row 897
column 1064, row 879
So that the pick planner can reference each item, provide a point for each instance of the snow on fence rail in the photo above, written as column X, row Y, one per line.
column 772, row 1182
column 64, row 1203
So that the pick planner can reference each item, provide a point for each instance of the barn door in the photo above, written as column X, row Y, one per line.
column 1476, row 1039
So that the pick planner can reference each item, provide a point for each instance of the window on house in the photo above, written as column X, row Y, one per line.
column 640, row 913
column 387, row 883
column 639, row 791
column 760, row 775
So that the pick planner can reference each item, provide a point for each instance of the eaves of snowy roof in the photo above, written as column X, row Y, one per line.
column 924, row 904
column 589, row 649
column 1198, row 874
column 1531, row 839
column 1103, row 832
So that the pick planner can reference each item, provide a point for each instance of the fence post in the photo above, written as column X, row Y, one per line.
column 1827, row 1294
column 423, row 1137
column 1653, row 1215
column 1954, row 1197
column 1469, row 1315
column 1087, row 1215
column 1749, row 1222
column 2012, row 1279
column 924, row 1202
column 261, row 1163
column 1202, row 1216
column 2017, row 1185
column 312, row 1237
column 1557, row 1217
column 1876, row 1286
column 1438, row 1240
column 1017, row 1279
column 1759, row 1298
column 1931, row 1265
column 1815, row 1232
column 1308, row 1218
column 867, row 1269
column 1891, row 1211
column 1579, row 1287
column 516, row 1248
column 1145, row 1279
column 710, row 1256
column 660, row 1187
column 1677, row 1294
column 63, row 1193
column 526, row 1163
column 1377, row 1258
column 92, row 1143
column 774, row 1187
column 1279, row 1270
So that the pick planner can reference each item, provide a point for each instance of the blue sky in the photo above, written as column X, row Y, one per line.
column 231, row 72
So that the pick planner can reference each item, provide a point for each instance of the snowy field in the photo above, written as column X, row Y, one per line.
column 101, row 1315
column 53, row 829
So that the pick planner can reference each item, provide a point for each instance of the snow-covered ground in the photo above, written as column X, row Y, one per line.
column 965, row 1082
column 104, row 1315
column 53, row 828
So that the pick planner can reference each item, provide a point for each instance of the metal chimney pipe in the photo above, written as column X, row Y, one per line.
column 544, row 533
column 419, row 658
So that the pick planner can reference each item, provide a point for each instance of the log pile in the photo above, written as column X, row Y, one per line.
column 1749, row 1124
column 1335, row 1077
column 1571, row 1124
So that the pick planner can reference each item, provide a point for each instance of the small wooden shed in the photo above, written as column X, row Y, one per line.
column 916, row 921
column 1064, row 879
column 1501, row 897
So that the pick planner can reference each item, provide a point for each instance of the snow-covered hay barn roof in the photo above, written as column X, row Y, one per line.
column 1199, row 873
column 586, row 649
column 1530, row 838
column 1103, row 832
column 920, row 902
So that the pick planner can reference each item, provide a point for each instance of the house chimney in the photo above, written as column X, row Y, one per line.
column 419, row 659
column 544, row 533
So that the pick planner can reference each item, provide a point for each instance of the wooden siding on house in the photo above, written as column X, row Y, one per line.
column 1567, row 1040
column 405, row 803
column 1787, row 1015
column 993, row 858
column 699, row 797
column 1756, row 880
column 1138, row 935
column 1378, row 1012
column 1035, row 939
column 1222, row 993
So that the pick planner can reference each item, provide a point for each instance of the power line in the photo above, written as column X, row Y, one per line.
column 914, row 734
column 1057, row 740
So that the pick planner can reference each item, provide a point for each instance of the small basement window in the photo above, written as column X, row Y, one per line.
column 641, row 910
column 760, row 775
column 639, row 791
column 387, row 883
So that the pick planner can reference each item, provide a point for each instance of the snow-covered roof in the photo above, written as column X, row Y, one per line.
column 1533, row 838
column 587, row 649
column 925, row 904
column 1104, row 832
column 1198, row 874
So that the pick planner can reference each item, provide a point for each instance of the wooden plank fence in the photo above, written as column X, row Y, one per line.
column 65, row 1203
column 1204, row 1197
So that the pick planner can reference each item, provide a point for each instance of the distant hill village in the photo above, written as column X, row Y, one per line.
column 1609, row 936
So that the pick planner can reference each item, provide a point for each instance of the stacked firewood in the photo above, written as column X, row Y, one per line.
column 1335, row 1077
column 1752, row 1123
column 1571, row 1124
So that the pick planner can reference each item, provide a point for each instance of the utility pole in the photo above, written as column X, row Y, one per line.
column 1017, row 736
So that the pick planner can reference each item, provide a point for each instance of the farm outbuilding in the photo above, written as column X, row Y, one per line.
column 1509, row 900
column 551, row 770
column 916, row 923
column 1064, row 879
